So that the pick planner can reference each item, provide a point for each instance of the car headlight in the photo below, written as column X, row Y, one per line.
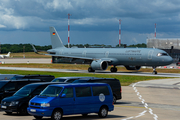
column 13, row 103
column 45, row 105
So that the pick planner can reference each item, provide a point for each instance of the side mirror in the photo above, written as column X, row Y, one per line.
column 63, row 95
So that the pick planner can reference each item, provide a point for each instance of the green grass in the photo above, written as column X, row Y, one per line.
column 124, row 79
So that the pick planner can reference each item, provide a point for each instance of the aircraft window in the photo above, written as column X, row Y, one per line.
column 162, row 54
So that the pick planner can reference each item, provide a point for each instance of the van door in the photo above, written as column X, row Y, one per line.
column 83, row 100
column 67, row 102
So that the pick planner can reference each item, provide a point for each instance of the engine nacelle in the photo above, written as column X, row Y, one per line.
column 99, row 65
column 133, row 67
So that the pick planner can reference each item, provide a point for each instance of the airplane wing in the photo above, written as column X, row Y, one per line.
column 75, row 57
column 84, row 58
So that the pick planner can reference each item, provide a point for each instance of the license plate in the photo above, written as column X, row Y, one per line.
column 32, row 110
column 3, row 107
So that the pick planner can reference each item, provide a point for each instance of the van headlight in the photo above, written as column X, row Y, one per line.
column 45, row 105
column 14, row 103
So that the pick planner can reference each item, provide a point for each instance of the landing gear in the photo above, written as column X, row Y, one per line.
column 113, row 69
column 154, row 70
column 90, row 69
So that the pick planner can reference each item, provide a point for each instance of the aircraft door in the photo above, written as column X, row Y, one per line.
column 84, row 53
column 106, row 54
column 150, row 54
column 61, row 52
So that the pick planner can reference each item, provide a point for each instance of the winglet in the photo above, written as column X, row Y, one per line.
column 34, row 49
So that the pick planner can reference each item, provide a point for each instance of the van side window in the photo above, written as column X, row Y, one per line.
column 68, row 92
column 10, row 86
column 100, row 89
column 83, row 91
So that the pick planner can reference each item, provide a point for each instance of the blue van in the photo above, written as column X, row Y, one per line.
column 67, row 99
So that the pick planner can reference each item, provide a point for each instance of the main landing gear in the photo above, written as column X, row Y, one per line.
column 154, row 70
column 113, row 69
column 90, row 69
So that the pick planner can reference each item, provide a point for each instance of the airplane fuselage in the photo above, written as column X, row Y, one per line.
column 119, row 56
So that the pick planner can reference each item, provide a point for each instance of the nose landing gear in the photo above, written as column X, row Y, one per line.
column 154, row 70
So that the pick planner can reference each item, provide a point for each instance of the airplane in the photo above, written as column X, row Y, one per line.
column 101, row 58
column 5, row 56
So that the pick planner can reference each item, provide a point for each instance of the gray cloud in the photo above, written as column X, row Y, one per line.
column 138, row 16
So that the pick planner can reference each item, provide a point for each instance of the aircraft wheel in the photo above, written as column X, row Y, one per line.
column 154, row 72
column 113, row 69
column 90, row 69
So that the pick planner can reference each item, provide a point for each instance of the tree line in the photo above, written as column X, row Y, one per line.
column 19, row 48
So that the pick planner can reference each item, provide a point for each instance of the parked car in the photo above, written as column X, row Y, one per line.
column 114, row 83
column 68, row 79
column 66, row 99
column 19, row 101
column 9, row 87
column 6, row 76
column 46, row 78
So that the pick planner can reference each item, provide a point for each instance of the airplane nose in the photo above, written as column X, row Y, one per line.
column 169, row 60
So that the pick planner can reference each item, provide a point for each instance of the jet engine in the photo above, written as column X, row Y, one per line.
column 132, row 67
column 99, row 65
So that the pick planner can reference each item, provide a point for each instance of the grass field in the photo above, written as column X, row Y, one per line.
column 124, row 79
column 28, row 55
column 85, row 67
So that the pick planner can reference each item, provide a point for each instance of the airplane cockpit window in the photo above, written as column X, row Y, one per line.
column 162, row 54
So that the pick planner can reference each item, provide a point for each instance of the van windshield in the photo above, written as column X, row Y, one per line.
column 80, row 81
column 51, row 91
column 26, row 90
column 17, row 77
column 58, row 80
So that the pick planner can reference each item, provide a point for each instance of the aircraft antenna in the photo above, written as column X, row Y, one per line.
column 119, row 32
column 155, row 31
column 68, row 29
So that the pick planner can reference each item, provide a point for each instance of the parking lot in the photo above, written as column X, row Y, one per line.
column 140, row 103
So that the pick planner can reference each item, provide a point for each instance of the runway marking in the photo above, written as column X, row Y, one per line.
column 145, row 105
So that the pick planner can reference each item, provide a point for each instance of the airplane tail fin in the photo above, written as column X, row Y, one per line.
column 55, row 39
column 8, row 54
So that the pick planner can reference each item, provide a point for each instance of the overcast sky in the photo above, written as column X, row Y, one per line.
column 91, row 21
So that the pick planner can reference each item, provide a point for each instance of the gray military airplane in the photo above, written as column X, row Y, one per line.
column 101, row 58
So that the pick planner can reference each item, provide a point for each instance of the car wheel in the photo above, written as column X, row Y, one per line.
column 38, row 117
column 57, row 115
column 114, row 99
column 23, row 110
column 9, row 113
column 103, row 112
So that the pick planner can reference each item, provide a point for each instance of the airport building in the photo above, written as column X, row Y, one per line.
column 165, row 43
column 170, row 45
